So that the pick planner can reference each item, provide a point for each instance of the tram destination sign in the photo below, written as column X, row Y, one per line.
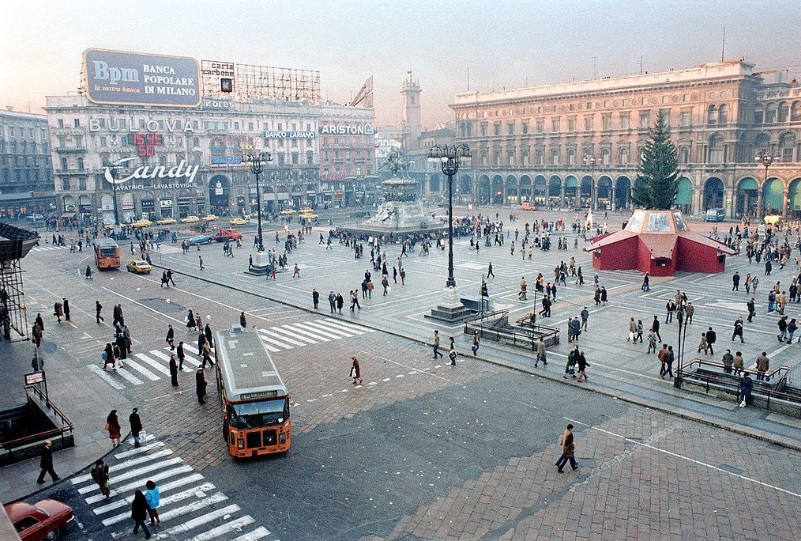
column 126, row 78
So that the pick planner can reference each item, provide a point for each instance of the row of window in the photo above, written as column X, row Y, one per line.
column 23, row 147
column 25, row 161
column 25, row 175
column 14, row 131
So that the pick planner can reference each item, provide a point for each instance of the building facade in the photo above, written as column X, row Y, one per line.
column 568, row 144
column 26, row 174
column 154, row 136
column 347, row 154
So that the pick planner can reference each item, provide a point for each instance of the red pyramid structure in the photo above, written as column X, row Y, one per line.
column 660, row 243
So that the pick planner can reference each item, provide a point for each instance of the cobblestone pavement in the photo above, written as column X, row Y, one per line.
column 482, row 451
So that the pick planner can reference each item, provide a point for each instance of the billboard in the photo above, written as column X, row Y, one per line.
column 125, row 78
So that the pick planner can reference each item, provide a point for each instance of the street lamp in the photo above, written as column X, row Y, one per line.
column 449, row 156
column 256, row 162
column 591, row 161
column 111, row 171
column 765, row 158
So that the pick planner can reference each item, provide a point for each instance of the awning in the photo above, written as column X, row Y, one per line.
column 68, row 215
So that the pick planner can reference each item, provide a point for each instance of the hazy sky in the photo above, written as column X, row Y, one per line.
column 504, row 43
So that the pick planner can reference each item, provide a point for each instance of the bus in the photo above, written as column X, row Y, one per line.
column 107, row 254
column 253, row 398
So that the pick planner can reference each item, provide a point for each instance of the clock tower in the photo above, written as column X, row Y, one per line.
column 412, row 125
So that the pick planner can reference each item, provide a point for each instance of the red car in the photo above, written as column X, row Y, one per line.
column 227, row 234
column 44, row 520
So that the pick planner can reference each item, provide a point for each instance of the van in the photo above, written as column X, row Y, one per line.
column 715, row 215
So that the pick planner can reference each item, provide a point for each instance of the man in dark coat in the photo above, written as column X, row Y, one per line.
column 173, row 371
column 46, row 463
column 200, row 385
column 181, row 355
column 171, row 337
column 66, row 309
column 136, row 425
column 209, row 337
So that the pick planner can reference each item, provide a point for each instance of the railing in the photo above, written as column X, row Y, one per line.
column 57, row 432
column 772, row 392
column 495, row 326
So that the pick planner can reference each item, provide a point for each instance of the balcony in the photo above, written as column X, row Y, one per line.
column 70, row 150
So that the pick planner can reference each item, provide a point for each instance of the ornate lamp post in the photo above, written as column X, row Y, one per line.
column 681, row 317
column 256, row 162
column 765, row 158
column 591, row 161
column 449, row 156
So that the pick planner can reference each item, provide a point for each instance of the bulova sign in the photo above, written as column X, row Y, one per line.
column 177, row 172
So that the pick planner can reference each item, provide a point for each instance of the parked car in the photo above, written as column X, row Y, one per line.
column 200, row 239
column 715, row 215
column 527, row 206
column 190, row 220
column 142, row 223
column 44, row 520
column 166, row 221
column 227, row 234
column 209, row 218
column 139, row 266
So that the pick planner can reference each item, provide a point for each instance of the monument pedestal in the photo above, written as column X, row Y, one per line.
column 451, row 308
column 261, row 264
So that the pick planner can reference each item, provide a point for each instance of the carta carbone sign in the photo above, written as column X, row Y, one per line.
column 121, row 77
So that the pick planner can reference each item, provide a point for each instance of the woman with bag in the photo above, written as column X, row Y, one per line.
column 108, row 357
column 190, row 321
column 356, row 371
column 113, row 427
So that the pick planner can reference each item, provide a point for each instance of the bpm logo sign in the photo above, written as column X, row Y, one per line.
column 120, row 77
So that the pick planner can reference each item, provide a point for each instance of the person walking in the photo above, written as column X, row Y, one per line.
column 738, row 330
column 113, row 428
column 181, row 355
column 541, row 355
column 651, row 342
column 739, row 363
column 452, row 353
column 385, row 284
column 521, row 294
column 568, row 450
column 703, row 344
column 632, row 331
column 66, row 308
column 200, row 258
column 489, row 270
column 315, row 299
column 735, row 280
column 711, row 338
column 437, row 352
column 646, row 283
column 243, row 320
column 782, row 324
column 206, row 355
column 190, row 321
column 173, row 370
column 46, row 463
column 670, row 308
column 477, row 342
column 200, row 385
column 655, row 328
column 762, row 366
column 139, row 512
column 169, row 277
column 153, row 497
column 668, row 358
column 99, row 475
column 582, row 366
column 689, row 310
column 58, row 310
column 170, row 337
column 98, row 309
column 356, row 371
column 572, row 359
column 746, row 385
column 136, row 426
column 791, row 328
column 585, row 317
column 209, row 335
column 728, row 361
column 751, row 305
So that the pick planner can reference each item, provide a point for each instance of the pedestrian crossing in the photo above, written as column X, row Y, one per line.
column 153, row 365
column 50, row 248
column 190, row 508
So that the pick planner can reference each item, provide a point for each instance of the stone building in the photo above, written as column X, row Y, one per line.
column 567, row 144
column 26, row 178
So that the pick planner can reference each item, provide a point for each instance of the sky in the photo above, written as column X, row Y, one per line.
column 449, row 46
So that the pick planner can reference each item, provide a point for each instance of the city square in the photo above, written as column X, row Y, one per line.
column 415, row 259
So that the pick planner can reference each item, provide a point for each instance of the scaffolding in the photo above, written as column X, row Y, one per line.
column 15, row 243
column 285, row 84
